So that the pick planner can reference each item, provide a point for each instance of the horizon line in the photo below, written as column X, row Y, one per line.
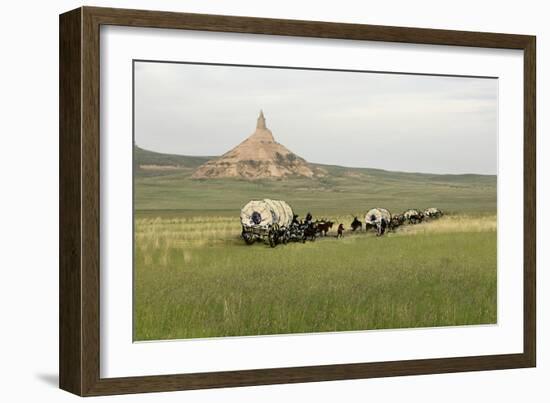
column 330, row 165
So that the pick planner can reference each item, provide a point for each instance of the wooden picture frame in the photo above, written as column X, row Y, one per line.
column 79, row 347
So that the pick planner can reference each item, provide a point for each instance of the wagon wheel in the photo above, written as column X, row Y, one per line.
column 248, row 238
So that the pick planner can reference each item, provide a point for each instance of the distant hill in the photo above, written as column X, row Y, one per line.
column 151, row 159
column 160, row 163
column 164, row 182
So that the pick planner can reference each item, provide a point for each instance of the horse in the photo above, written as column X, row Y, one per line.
column 323, row 227
column 309, row 230
column 356, row 224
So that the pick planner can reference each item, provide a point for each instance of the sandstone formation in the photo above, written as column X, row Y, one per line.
column 257, row 157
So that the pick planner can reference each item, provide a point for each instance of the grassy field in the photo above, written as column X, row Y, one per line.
column 195, row 277
column 342, row 190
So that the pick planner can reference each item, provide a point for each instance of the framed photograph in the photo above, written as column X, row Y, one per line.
column 248, row 201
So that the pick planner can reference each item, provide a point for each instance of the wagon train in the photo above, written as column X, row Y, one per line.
column 274, row 222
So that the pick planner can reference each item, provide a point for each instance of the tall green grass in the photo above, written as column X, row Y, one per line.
column 194, row 277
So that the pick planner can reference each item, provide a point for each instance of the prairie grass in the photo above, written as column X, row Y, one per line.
column 453, row 224
column 195, row 277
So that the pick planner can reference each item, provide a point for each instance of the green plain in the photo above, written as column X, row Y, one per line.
column 194, row 276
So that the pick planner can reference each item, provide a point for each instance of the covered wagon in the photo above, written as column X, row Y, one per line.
column 266, row 220
column 413, row 216
column 378, row 218
column 433, row 212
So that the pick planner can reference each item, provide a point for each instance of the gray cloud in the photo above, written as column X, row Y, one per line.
column 389, row 121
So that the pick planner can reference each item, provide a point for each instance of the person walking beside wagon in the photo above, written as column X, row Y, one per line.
column 340, row 231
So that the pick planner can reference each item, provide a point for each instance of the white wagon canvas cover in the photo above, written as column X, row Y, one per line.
column 375, row 215
column 266, row 212
column 411, row 213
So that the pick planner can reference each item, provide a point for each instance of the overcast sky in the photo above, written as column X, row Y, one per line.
column 389, row 121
